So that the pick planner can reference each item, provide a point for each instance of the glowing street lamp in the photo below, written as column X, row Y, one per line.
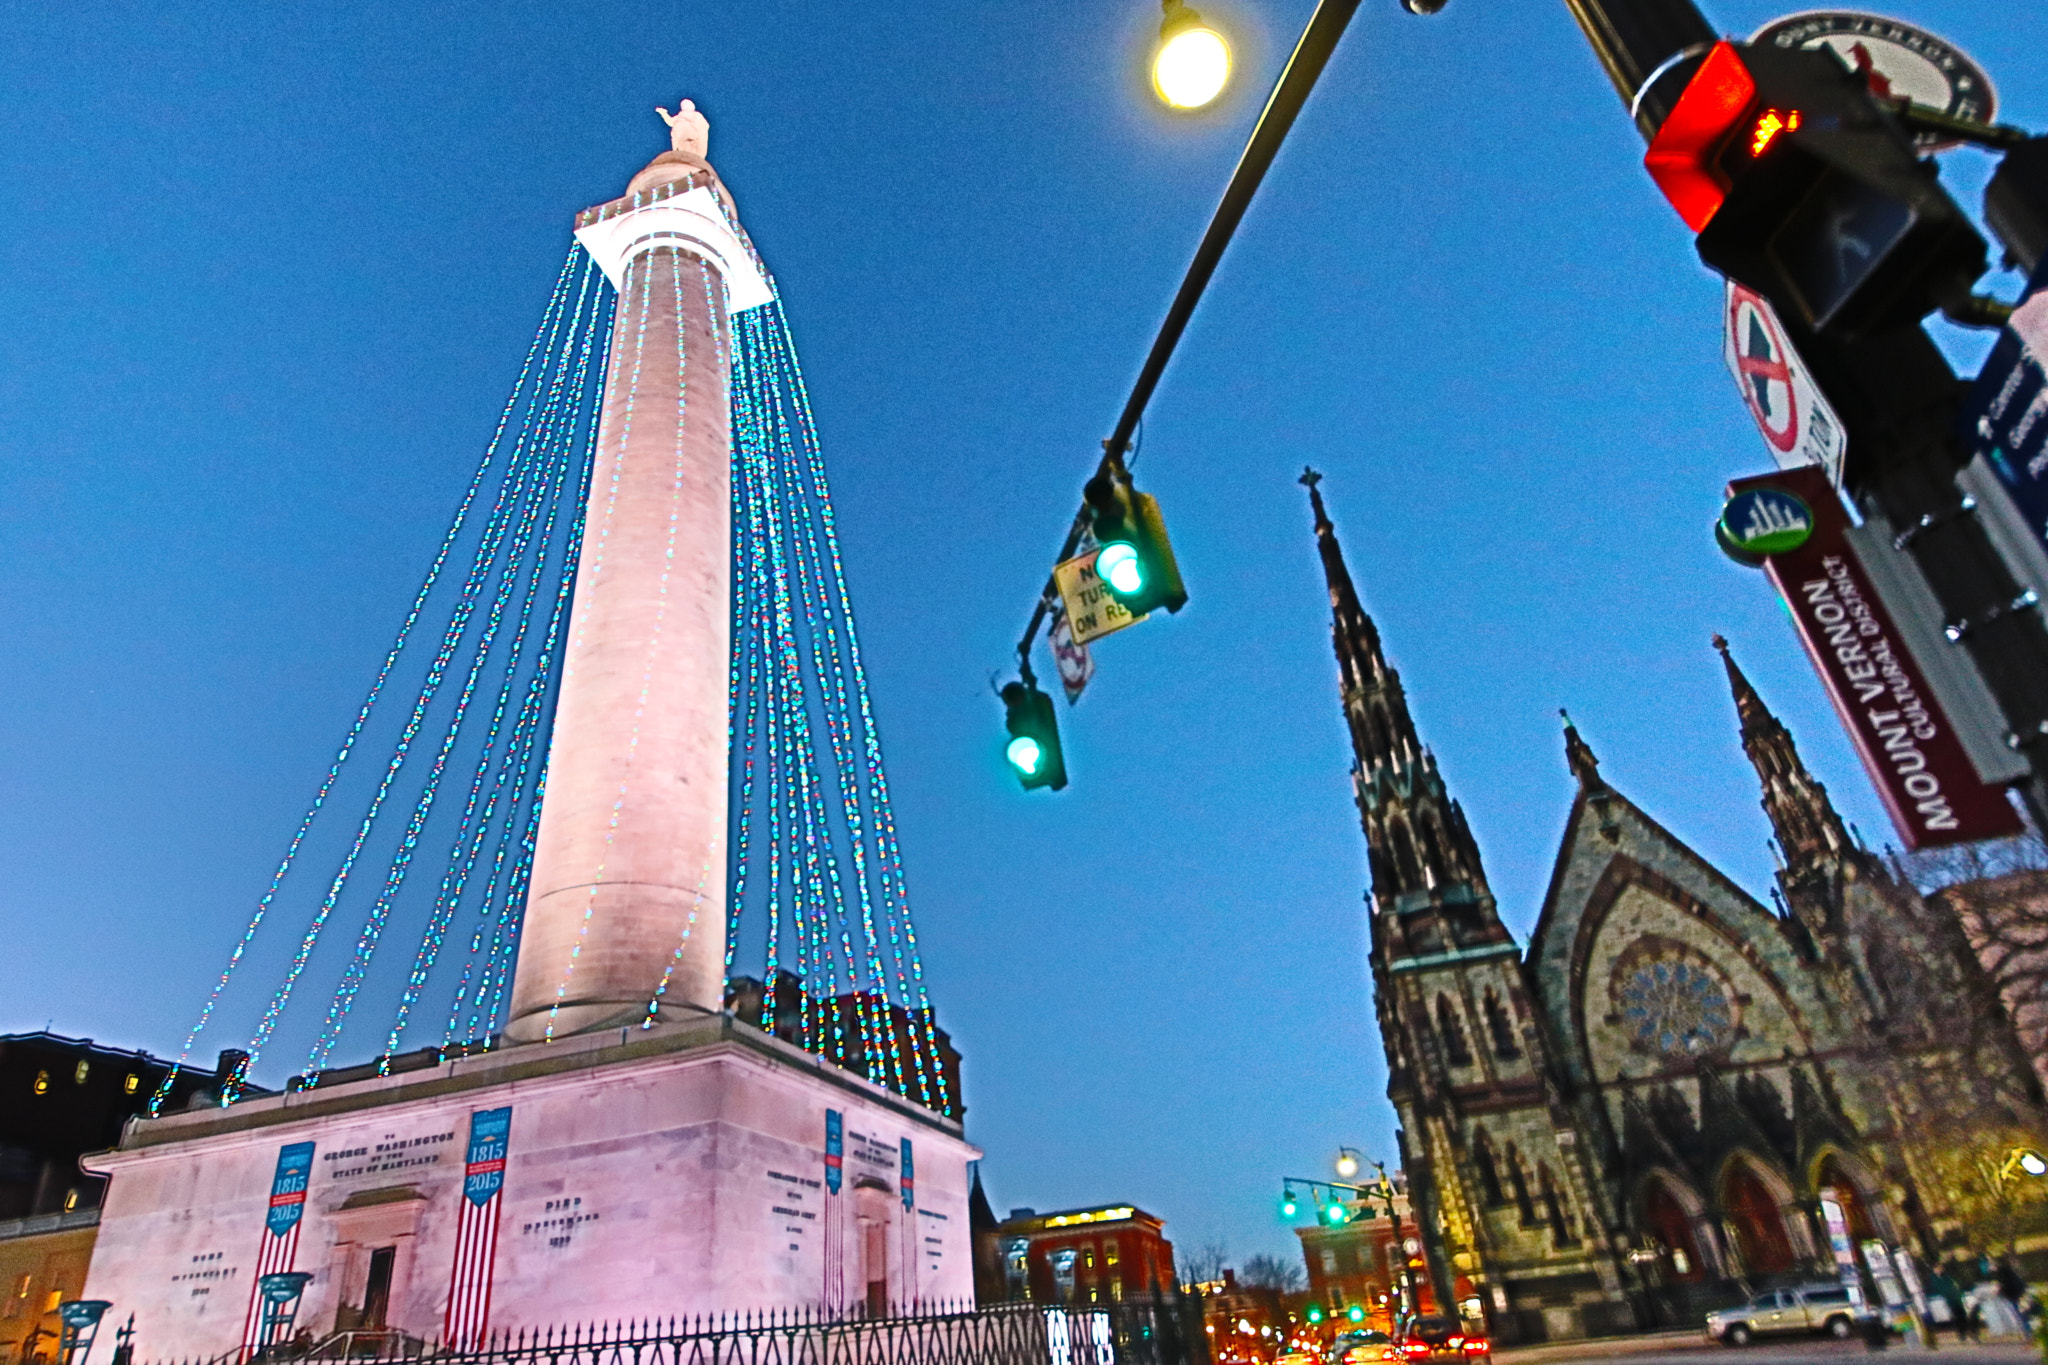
column 1192, row 64
column 1347, row 1162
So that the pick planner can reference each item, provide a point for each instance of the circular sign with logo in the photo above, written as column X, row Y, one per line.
column 1900, row 61
column 1765, row 521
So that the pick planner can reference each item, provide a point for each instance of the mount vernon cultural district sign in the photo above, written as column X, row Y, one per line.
column 1912, row 753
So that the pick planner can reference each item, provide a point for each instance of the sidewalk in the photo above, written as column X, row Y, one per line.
column 1590, row 1348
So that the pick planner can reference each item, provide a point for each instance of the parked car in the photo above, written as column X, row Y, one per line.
column 1439, row 1339
column 1821, row 1310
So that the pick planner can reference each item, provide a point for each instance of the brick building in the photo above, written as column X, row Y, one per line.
column 1090, row 1255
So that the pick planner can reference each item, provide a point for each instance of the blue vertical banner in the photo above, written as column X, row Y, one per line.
column 835, row 1149
column 908, row 1181
column 2005, row 418
column 483, row 1174
column 288, row 1187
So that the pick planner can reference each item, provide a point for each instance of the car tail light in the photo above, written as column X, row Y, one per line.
column 1475, row 1346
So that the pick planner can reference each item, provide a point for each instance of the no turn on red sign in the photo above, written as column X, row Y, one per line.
column 1796, row 421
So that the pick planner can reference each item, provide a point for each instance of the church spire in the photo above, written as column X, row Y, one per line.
column 1422, row 852
column 1813, row 844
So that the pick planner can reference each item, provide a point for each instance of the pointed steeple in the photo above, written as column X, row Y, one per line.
column 1423, row 855
column 1813, row 844
column 1579, row 757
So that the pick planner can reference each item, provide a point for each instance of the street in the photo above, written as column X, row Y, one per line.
column 1682, row 1350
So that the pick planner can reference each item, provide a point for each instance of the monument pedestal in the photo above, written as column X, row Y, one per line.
column 685, row 1169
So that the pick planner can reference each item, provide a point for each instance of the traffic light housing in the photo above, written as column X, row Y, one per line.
column 1135, row 560
column 1804, row 187
column 1033, row 750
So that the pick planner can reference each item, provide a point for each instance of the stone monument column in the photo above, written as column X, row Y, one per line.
column 629, row 867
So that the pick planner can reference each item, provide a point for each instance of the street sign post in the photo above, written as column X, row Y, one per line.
column 1075, row 663
column 1091, row 612
column 1909, row 747
column 1797, row 424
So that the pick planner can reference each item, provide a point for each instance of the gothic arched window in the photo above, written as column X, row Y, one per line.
column 1500, row 1027
column 1553, row 1212
column 1433, row 845
column 1489, row 1172
column 1455, row 1051
column 1404, row 855
column 1382, row 733
column 1519, row 1179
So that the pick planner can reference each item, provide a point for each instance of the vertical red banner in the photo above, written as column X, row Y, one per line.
column 476, row 1230
column 1908, row 747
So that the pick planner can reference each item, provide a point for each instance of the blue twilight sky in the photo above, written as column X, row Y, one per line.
column 268, row 272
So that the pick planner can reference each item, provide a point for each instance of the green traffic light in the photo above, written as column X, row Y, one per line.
column 1120, row 566
column 1336, row 1213
column 1356, row 1312
column 1315, row 1312
column 1287, row 1205
column 1025, row 754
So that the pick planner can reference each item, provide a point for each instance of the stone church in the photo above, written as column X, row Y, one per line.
column 1633, row 1116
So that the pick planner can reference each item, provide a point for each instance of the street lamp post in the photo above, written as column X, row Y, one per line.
column 1290, row 92
column 1381, row 1189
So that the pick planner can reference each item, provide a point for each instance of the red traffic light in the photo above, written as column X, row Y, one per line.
column 1682, row 155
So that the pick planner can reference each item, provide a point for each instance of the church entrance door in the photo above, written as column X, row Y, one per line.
column 1671, row 1225
column 1754, row 1219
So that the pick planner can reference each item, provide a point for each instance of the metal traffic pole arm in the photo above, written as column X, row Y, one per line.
column 1290, row 92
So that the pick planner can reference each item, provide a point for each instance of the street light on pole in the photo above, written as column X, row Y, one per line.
column 1192, row 64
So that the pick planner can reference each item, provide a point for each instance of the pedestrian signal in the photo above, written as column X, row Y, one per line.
column 1804, row 186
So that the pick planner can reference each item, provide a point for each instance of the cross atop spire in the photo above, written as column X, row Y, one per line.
column 1579, row 756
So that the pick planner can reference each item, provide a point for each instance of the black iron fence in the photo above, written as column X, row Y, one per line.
column 1151, row 1331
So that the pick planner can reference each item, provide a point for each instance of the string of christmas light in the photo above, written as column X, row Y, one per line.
column 816, row 885
column 327, row 783
column 642, row 265
column 507, row 556
column 890, row 865
column 511, row 491
column 806, row 754
column 525, row 573
column 827, row 664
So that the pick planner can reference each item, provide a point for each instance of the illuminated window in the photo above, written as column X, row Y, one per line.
column 1109, row 1252
column 128, row 1086
column 70, row 1200
column 42, row 1082
column 56, row 1297
column 84, row 1069
column 1088, row 1258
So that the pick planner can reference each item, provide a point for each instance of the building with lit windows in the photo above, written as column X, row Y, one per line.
column 1358, row 1262
column 1091, row 1255
column 59, row 1099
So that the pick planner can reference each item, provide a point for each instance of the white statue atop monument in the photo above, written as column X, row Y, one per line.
column 688, row 130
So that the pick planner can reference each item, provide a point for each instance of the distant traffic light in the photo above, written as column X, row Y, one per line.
column 1034, row 747
column 1356, row 1312
column 1288, row 1207
column 1315, row 1313
column 1334, row 1212
column 1806, row 188
column 1135, row 562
